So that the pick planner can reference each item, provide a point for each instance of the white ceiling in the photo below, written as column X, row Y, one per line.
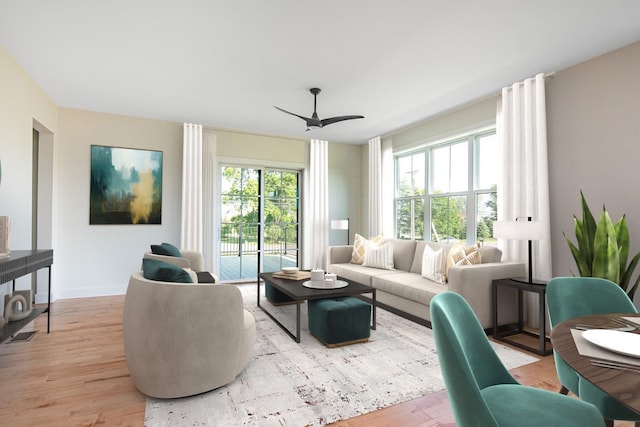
column 225, row 64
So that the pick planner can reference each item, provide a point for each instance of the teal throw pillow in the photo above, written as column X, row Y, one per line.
column 165, row 249
column 161, row 271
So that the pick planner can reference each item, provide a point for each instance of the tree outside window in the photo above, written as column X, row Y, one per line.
column 461, row 176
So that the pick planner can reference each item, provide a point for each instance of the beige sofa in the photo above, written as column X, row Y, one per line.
column 406, row 292
column 184, row 339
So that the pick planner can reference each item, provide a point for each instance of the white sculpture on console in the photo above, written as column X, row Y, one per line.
column 16, row 308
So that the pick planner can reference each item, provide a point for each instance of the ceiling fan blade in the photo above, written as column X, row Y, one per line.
column 293, row 114
column 332, row 120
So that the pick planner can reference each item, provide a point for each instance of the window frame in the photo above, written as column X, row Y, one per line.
column 472, row 193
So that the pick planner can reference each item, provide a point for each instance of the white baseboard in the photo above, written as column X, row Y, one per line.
column 85, row 293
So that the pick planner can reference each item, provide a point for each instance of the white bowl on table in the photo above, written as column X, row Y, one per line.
column 290, row 270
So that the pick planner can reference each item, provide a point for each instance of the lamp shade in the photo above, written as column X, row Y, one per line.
column 520, row 230
column 339, row 224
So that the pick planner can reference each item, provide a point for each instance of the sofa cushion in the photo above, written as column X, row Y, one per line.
column 490, row 254
column 357, row 273
column 161, row 271
column 359, row 247
column 379, row 256
column 403, row 253
column 408, row 285
column 433, row 264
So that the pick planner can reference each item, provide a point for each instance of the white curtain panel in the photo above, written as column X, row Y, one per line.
column 191, row 229
column 388, row 179
column 210, row 247
column 316, row 206
column 375, row 187
column 523, row 190
column 380, row 187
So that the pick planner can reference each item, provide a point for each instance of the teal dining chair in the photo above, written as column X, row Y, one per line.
column 481, row 390
column 570, row 297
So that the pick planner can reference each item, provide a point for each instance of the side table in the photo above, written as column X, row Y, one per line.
column 522, row 286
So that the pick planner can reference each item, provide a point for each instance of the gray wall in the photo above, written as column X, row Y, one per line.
column 594, row 145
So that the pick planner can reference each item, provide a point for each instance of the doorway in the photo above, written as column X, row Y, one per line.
column 259, row 221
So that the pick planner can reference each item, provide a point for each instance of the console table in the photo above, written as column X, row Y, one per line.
column 18, row 264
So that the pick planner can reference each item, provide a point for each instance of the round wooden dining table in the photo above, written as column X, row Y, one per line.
column 622, row 385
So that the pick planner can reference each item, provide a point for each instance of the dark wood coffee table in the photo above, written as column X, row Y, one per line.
column 299, row 294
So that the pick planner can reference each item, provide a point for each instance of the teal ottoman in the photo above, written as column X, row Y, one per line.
column 276, row 297
column 340, row 321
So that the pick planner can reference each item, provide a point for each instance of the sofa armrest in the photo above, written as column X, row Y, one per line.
column 339, row 255
column 473, row 282
column 174, row 260
column 195, row 259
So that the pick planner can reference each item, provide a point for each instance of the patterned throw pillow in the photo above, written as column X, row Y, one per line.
column 378, row 256
column 463, row 255
column 433, row 264
column 359, row 247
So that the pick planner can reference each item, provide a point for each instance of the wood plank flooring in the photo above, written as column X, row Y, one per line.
column 77, row 376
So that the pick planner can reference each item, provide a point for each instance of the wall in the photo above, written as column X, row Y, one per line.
column 448, row 124
column 92, row 260
column 593, row 110
column 22, row 106
column 345, row 189
column 345, row 181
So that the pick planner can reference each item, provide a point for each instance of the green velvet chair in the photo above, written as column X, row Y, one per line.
column 481, row 390
column 569, row 297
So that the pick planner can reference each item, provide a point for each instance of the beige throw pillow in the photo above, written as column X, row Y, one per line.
column 378, row 256
column 359, row 247
column 433, row 264
column 463, row 255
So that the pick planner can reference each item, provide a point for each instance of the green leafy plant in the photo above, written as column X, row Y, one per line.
column 602, row 248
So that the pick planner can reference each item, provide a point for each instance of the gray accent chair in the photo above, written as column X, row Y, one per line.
column 184, row 339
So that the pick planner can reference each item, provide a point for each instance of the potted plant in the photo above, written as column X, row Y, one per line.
column 602, row 248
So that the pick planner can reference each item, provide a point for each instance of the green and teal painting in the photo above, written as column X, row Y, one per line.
column 126, row 186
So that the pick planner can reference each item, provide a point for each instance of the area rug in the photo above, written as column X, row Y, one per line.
column 307, row 384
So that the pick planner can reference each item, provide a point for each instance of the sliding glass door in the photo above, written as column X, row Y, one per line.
column 259, row 221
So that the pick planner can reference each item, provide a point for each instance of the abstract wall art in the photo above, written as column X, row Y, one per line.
column 126, row 186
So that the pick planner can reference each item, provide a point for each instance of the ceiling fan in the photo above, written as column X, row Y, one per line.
column 314, row 121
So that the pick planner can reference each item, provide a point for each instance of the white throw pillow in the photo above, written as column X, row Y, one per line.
column 378, row 256
column 433, row 264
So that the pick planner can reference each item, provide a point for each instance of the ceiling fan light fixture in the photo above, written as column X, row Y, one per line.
column 314, row 121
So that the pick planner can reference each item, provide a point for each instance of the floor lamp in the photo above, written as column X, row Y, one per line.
column 341, row 224
column 523, row 228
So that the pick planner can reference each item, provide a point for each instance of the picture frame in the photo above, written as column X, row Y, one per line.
column 126, row 186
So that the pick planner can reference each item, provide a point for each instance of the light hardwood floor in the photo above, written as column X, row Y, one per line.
column 77, row 376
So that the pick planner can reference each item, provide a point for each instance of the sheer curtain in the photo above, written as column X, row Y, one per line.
column 375, row 187
column 524, row 186
column 380, row 212
column 191, row 226
column 210, row 239
column 316, row 207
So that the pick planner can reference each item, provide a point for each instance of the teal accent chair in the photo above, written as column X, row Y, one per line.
column 570, row 297
column 481, row 390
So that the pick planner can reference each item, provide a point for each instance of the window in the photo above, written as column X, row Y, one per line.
column 451, row 187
